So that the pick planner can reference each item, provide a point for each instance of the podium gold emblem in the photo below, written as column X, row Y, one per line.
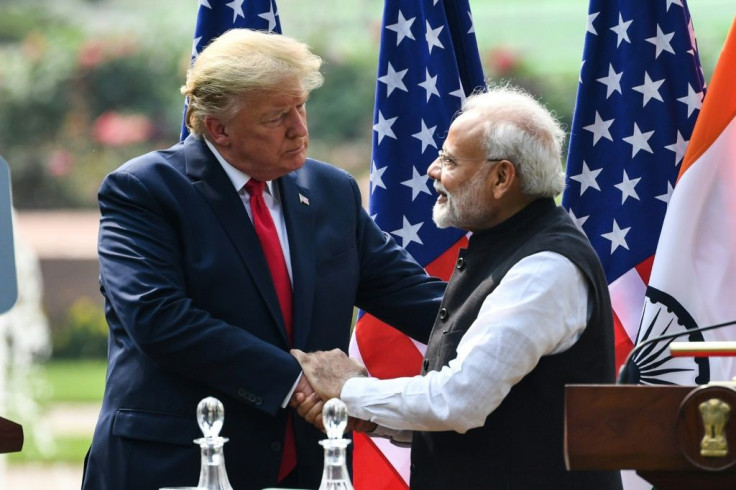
column 715, row 415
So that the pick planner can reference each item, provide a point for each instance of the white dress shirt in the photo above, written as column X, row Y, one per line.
column 270, row 196
column 273, row 202
column 539, row 308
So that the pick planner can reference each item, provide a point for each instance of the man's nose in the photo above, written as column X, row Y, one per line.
column 435, row 169
column 297, row 123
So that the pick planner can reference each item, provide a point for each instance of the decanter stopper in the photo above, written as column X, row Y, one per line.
column 335, row 475
column 335, row 418
column 210, row 417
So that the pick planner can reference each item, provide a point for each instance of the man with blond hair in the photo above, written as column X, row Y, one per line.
column 217, row 256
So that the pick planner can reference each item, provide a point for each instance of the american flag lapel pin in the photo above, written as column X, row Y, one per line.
column 303, row 199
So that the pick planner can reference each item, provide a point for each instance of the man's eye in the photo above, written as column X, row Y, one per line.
column 275, row 119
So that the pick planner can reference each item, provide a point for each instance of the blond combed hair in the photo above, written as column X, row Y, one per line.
column 242, row 61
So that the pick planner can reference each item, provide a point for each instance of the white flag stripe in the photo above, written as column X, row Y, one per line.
column 354, row 351
column 422, row 348
column 399, row 458
column 627, row 296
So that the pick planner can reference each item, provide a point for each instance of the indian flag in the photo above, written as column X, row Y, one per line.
column 693, row 279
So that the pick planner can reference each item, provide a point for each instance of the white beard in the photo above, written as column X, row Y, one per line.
column 465, row 209
column 443, row 214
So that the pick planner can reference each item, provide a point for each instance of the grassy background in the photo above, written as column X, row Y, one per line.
column 80, row 381
column 66, row 449
column 73, row 386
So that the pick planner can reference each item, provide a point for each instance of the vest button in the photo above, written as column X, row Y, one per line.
column 460, row 263
column 443, row 314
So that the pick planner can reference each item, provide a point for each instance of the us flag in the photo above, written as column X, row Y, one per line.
column 428, row 63
column 640, row 91
column 214, row 17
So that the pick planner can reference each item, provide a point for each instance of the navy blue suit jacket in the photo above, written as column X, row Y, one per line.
column 192, row 313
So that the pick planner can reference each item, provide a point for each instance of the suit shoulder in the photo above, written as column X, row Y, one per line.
column 155, row 160
column 315, row 172
column 325, row 169
column 333, row 183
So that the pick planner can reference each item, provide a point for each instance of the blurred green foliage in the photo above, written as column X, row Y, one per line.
column 343, row 110
column 73, row 107
column 83, row 334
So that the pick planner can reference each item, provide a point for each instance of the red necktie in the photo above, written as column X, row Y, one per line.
column 271, row 245
column 266, row 231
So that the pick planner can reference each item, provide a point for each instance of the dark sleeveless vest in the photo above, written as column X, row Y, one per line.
column 521, row 444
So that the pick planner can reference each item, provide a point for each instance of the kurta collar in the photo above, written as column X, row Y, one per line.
column 516, row 222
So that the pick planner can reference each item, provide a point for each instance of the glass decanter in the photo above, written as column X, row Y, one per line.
column 210, row 417
column 335, row 474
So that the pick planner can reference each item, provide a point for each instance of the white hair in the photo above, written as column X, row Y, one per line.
column 520, row 129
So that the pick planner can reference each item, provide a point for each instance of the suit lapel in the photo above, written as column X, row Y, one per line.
column 299, row 219
column 216, row 188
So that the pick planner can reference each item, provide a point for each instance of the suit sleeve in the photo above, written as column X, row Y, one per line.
column 393, row 286
column 148, row 308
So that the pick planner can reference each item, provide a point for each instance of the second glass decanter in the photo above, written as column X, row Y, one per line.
column 210, row 417
column 335, row 475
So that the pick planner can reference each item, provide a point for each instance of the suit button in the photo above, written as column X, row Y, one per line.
column 259, row 400
column 460, row 263
column 252, row 398
column 276, row 447
column 242, row 393
column 443, row 314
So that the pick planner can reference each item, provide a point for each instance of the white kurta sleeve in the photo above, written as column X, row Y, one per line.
column 539, row 308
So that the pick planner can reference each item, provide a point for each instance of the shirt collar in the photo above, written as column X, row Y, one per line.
column 237, row 177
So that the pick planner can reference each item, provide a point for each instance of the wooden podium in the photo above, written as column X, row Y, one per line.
column 11, row 436
column 675, row 437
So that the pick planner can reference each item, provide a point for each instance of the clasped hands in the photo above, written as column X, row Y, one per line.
column 325, row 373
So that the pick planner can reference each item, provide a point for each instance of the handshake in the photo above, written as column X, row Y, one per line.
column 325, row 373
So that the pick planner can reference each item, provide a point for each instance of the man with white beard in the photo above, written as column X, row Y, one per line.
column 526, row 311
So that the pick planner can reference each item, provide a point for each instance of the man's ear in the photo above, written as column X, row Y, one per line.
column 217, row 131
column 503, row 178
